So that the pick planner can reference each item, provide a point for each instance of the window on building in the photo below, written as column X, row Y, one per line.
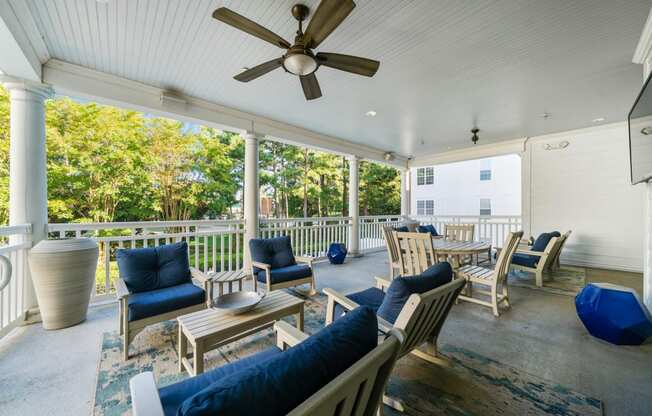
column 425, row 176
column 485, row 206
column 426, row 207
column 485, row 170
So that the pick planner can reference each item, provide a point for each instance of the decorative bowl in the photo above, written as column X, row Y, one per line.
column 237, row 302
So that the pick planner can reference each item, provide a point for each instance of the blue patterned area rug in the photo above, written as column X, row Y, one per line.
column 474, row 386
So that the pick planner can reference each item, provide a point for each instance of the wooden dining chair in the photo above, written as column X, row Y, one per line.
column 493, row 278
column 392, row 251
column 459, row 232
column 556, row 253
column 415, row 252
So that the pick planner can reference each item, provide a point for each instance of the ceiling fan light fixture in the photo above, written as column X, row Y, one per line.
column 300, row 64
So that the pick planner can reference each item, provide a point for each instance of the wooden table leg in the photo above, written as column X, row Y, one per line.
column 240, row 285
column 221, row 290
column 183, row 348
column 230, row 287
column 198, row 357
column 300, row 318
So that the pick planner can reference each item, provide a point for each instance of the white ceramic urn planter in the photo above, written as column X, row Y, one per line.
column 63, row 272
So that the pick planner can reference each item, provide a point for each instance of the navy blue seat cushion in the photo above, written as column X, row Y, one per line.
column 540, row 245
column 428, row 229
column 277, row 252
column 281, row 383
column 158, row 301
column 401, row 288
column 402, row 229
column 389, row 305
column 286, row 274
column 174, row 395
column 372, row 298
column 145, row 269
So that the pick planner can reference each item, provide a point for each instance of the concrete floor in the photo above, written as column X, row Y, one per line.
column 53, row 372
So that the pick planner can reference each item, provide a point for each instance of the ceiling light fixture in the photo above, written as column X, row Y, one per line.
column 299, row 62
column 475, row 137
column 371, row 113
column 598, row 120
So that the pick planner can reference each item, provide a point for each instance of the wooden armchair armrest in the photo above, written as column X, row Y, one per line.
column 304, row 259
column 287, row 335
column 340, row 299
column 201, row 276
column 145, row 400
column 121, row 290
column 382, row 283
column 531, row 253
column 383, row 325
column 260, row 265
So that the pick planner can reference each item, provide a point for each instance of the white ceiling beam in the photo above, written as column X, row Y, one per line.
column 18, row 57
column 78, row 81
column 473, row 152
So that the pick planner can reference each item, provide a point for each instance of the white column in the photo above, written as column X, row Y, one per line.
column 405, row 193
column 251, row 193
column 28, row 196
column 354, row 208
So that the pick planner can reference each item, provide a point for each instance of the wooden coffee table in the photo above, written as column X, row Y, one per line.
column 210, row 328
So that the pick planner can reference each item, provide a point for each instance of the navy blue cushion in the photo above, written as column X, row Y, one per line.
column 542, row 241
column 286, row 274
column 277, row 252
column 401, row 288
column 158, row 301
column 174, row 395
column 428, row 229
column 281, row 383
column 145, row 269
column 173, row 266
column 138, row 268
column 402, row 229
column 371, row 298
column 525, row 260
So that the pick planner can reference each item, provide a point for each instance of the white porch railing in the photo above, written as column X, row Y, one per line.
column 309, row 236
column 14, row 243
column 371, row 230
column 212, row 244
column 493, row 229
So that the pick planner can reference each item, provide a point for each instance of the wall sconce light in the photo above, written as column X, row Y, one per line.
column 556, row 146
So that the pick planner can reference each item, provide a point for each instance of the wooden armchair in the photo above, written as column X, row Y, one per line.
column 539, row 257
column 556, row 253
column 392, row 251
column 493, row 278
column 274, row 264
column 459, row 232
column 415, row 252
column 421, row 316
column 356, row 391
column 156, row 285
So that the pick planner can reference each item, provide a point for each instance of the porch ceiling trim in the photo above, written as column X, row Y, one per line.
column 78, row 81
column 473, row 152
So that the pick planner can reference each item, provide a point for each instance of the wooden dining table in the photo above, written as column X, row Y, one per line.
column 456, row 249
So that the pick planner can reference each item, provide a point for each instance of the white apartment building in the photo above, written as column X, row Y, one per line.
column 490, row 186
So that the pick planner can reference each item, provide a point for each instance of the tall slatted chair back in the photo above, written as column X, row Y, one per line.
column 357, row 391
column 459, row 232
column 392, row 250
column 555, row 254
column 423, row 316
column 505, row 257
column 415, row 252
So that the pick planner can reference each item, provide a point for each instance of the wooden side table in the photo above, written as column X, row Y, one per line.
column 211, row 328
column 228, row 277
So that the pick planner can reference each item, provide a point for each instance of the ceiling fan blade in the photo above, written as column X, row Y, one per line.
column 240, row 22
column 327, row 17
column 259, row 70
column 354, row 64
column 310, row 86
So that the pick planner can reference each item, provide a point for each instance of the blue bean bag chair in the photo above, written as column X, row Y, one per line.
column 614, row 313
column 336, row 253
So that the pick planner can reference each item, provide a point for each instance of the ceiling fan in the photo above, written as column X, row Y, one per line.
column 299, row 58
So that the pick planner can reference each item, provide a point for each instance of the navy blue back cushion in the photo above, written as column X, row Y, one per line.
column 145, row 269
column 542, row 241
column 428, row 229
column 402, row 229
column 402, row 287
column 277, row 252
column 283, row 382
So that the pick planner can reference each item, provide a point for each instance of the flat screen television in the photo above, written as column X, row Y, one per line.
column 640, row 135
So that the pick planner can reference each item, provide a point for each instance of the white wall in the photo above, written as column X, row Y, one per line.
column 585, row 187
column 457, row 187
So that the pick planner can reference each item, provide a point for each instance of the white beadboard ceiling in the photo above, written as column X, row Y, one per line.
column 445, row 64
